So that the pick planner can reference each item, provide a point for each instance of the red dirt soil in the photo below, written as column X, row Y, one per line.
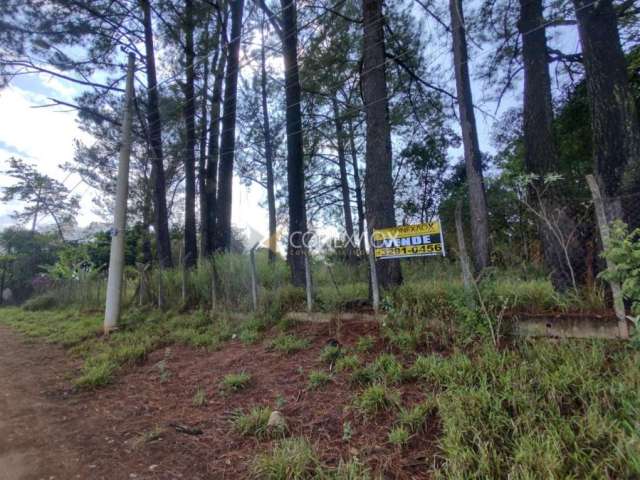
column 49, row 431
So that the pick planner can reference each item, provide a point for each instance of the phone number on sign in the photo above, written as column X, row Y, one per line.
column 431, row 249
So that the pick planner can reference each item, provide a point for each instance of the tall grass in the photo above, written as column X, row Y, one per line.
column 539, row 410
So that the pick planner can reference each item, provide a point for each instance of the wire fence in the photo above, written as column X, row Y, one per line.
column 546, row 256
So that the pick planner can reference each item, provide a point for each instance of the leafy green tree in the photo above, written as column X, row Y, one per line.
column 42, row 196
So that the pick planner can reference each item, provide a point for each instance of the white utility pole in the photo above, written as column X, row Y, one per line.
column 116, row 259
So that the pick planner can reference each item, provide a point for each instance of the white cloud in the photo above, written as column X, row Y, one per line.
column 43, row 136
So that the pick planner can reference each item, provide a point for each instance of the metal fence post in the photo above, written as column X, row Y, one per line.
column 254, row 276
column 373, row 273
column 307, row 277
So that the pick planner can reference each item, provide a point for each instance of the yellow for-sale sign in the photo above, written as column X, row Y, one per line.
column 424, row 239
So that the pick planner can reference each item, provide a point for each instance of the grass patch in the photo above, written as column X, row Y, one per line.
column 252, row 423
column 318, row 379
column 199, row 398
column 365, row 344
column 234, row 382
column 96, row 372
column 289, row 344
column 399, row 436
column 385, row 368
column 538, row 410
column 290, row 459
column 330, row 354
column 348, row 362
column 377, row 398
column 415, row 418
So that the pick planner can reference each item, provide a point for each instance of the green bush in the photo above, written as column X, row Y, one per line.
column 46, row 301
column 624, row 251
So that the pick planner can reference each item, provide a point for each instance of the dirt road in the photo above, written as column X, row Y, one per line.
column 38, row 420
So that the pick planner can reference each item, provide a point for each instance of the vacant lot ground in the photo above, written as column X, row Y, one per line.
column 131, row 429
column 362, row 401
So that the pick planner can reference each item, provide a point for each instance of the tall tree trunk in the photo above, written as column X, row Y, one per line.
column 295, row 145
column 268, row 150
column 161, row 221
column 378, row 177
column 540, row 156
column 614, row 118
column 228, row 137
column 357, row 186
column 344, row 179
column 147, row 255
column 202, row 149
column 190, row 235
column 472, row 156
column 213, row 150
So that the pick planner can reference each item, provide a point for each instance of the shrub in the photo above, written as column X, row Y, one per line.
column 624, row 251
column 45, row 301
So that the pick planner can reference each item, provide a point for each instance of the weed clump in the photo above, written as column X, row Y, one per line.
column 253, row 424
column 399, row 436
column 330, row 354
column 377, row 398
column 290, row 459
column 348, row 362
column 318, row 379
column 234, row 382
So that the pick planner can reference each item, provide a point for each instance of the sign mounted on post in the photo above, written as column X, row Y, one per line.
column 422, row 240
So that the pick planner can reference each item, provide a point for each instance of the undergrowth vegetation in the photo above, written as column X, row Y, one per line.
column 510, row 409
